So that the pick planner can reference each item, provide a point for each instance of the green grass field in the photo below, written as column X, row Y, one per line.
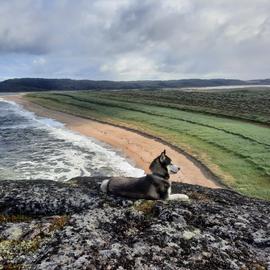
column 227, row 130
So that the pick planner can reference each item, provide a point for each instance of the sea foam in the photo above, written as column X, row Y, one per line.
column 65, row 154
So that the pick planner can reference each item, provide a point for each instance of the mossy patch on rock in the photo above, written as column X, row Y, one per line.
column 58, row 222
column 14, row 218
column 198, row 196
column 21, row 240
column 13, row 248
column 11, row 266
column 145, row 206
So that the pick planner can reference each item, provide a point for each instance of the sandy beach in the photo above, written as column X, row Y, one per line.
column 140, row 150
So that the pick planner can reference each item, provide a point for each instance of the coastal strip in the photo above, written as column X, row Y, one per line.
column 139, row 149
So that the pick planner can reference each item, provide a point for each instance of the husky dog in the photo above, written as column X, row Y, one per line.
column 155, row 186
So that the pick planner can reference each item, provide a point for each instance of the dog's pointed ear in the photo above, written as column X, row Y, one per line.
column 162, row 156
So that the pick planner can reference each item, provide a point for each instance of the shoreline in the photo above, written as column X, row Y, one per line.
column 138, row 148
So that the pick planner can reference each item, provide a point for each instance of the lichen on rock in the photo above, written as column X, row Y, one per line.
column 74, row 226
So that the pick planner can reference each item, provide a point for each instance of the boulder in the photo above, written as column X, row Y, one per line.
column 72, row 225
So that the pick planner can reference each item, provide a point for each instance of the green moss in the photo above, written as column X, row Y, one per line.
column 10, row 249
column 58, row 223
column 14, row 218
column 145, row 206
column 198, row 196
column 11, row 266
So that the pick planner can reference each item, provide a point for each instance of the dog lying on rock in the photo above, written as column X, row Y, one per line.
column 155, row 186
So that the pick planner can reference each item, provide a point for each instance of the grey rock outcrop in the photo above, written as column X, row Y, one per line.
column 51, row 225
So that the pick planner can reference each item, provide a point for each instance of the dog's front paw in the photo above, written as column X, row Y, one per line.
column 179, row 197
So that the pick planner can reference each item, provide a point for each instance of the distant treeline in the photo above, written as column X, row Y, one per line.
column 39, row 84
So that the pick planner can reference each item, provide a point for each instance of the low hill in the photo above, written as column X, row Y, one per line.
column 40, row 84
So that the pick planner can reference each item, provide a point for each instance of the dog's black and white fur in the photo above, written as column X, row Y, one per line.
column 155, row 186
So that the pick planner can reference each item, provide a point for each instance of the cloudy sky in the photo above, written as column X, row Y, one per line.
column 135, row 39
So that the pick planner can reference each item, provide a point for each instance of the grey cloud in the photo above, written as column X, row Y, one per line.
column 20, row 28
column 126, row 39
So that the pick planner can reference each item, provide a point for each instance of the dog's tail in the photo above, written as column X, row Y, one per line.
column 104, row 185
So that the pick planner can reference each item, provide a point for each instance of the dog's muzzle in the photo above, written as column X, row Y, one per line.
column 173, row 168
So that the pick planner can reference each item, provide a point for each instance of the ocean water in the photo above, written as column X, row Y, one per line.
column 33, row 147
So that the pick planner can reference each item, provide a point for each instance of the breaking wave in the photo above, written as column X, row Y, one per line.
column 33, row 147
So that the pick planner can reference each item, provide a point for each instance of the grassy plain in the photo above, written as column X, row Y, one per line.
column 228, row 130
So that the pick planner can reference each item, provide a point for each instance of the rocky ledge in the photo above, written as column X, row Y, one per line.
column 52, row 225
